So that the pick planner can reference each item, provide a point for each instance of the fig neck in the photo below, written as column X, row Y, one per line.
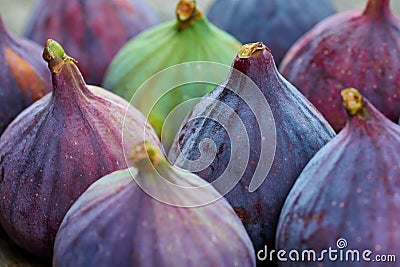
column 354, row 104
column 255, row 61
column 67, row 79
column 187, row 13
column 377, row 8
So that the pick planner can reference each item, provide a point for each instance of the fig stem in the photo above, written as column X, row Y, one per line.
column 145, row 152
column 251, row 50
column 353, row 101
column 55, row 55
column 186, row 13
column 377, row 8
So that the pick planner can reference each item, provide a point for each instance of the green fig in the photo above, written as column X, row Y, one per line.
column 190, row 38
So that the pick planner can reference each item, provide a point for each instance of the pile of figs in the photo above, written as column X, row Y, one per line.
column 129, row 142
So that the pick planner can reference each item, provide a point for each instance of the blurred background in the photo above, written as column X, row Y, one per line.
column 16, row 12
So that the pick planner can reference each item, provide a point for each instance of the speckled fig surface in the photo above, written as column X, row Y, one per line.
column 278, row 23
column 358, row 49
column 349, row 191
column 300, row 132
column 116, row 223
column 24, row 77
column 92, row 31
column 191, row 37
column 56, row 148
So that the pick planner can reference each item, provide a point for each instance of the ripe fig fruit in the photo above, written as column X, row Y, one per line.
column 300, row 132
column 278, row 23
column 358, row 49
column 91, row 30
column 56, row 148
column 24, row 77
column 138, row 229
column 13, row 256
column 190, row 38
column 346, row 195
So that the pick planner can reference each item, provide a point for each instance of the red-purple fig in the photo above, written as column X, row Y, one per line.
column 348, row 196
column 91, row 30
column 116, row 223
column 24, row 77
column 300, row 132
column 56, row 148
column 358, row 49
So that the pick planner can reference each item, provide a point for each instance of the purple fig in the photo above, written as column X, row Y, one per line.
column 91, row 30
column 300, row 132
column 278, row 23
column 24, row 77
column 358, row 49
column 116, row 223
column 345, row 197
column 56, row 148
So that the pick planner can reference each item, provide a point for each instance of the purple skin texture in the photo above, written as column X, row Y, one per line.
column 24, row 76
column 300, row 132
column 349, row 190
column 55, row 149
column 115, row 223
column 359, row 49
column 278, row 23
column 90, row 30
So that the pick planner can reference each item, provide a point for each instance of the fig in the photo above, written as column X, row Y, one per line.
column 149, row 232
column 24, row 77
column 300, row 132
column 12, row 256
column 345, row 196
column 190, row 38
column 278, row 23
column 56, row 148
column 351, row 49
column 91, row 30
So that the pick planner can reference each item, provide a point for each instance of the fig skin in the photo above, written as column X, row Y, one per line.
column 13, row 256
column 278, row 23
column 191, row 37
column 91, row 30
column 348, row 190
column 301, row 131
column 148, row 232
column 24, row 77
column 56, row 148
column 358, row 49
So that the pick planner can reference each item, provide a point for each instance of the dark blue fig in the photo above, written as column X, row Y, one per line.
column 278, row 23
column 300, row 132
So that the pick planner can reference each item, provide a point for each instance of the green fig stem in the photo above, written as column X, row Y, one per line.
column 187, row 13
column 55, row 56
column 144, row 153
column 353, row 103
column 251, row 50
column 377, row 8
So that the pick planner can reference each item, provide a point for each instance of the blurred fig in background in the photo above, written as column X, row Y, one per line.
column 24, row 77
column 358, row 49
column 278, row 23
column 91, row 30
